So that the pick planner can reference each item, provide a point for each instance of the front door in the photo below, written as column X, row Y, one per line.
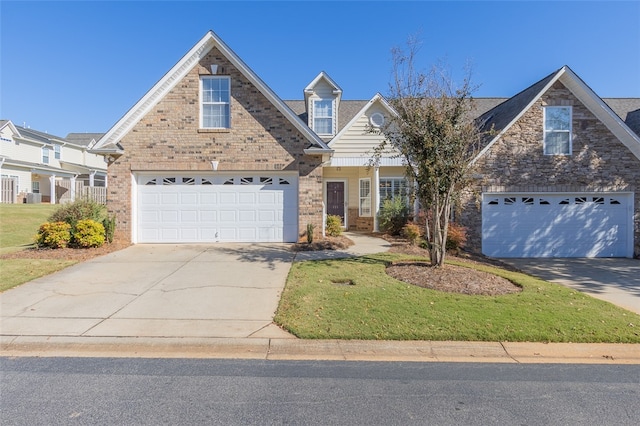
column 335, row 199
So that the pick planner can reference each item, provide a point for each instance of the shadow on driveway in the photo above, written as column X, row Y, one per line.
column 616, row 280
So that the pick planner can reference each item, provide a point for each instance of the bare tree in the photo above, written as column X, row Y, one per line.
column 436, row 135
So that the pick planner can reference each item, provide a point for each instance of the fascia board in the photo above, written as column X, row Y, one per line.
column 520, row 114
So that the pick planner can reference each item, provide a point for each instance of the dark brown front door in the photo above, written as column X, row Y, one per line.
column 335, row 199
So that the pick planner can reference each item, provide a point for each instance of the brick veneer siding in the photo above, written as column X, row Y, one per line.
column 168, row 139
column 516, row 163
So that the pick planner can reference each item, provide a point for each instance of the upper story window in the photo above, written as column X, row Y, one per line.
column 45, row 155
column 57, row 152
column 557, row 130
column 323, row 116
column 215, row 99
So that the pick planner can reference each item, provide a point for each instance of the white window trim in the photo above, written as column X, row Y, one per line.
column 544, row 129
column 332, row 116
column 367, row 198
column 45, row 155
column 201, row 100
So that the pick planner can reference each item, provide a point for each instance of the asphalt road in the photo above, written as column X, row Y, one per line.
column 56, row 391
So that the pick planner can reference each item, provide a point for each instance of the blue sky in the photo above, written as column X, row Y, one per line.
column 79, row 66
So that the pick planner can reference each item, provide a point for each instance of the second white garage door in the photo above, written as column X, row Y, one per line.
column 182, row 208
column 557, row 225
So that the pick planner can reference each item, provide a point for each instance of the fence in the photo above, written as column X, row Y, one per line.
column 94, row 193
column 8, row 190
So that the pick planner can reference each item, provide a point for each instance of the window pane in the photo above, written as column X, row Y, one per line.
column 557, row 118
column 323, row 125
column 556, row 143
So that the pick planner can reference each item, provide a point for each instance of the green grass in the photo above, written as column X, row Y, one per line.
column 14, row 272
column 379, row 307
column 19, row 223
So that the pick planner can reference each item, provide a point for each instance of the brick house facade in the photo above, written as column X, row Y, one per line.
column 524, row 202
column 167, row 138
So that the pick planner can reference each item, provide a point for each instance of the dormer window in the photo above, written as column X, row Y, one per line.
column 323, row 116
column 557, row 130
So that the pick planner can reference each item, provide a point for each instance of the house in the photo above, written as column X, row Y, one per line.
column 39, row 167
column 210, row 153
column 560, row 177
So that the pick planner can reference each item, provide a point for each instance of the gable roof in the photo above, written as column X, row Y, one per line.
column 12, row 127
column 504, row 115
column 108, row 143
column 376, row 98
column 322, row 76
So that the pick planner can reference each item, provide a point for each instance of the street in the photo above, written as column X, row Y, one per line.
column 56, row 391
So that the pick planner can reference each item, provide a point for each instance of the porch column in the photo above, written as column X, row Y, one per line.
column 72, row 190
column 52, row 189
column 91, row 177
column 375, row 192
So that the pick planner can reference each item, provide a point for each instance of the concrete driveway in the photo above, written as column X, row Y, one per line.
column 616, row 280
column 226, row 290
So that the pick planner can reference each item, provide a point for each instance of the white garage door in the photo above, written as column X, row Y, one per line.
column 179, row 208
column 557, row 225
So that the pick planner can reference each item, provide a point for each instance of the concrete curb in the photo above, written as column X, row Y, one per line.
column 337, row 350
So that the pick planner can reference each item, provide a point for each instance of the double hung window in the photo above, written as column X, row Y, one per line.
column 557, row 130
column 365, row 197
column 323, row 116
column 215, row 101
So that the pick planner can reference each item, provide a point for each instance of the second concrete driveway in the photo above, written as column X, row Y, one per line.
column 229, row 290
column 615, row 280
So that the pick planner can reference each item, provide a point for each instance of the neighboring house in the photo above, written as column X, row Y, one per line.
column 211, row 153
column 39, row 167
column 561, row 176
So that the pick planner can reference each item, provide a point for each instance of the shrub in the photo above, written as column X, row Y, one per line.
column 310, row 228
column 393, row 216
column 79, row 210
column 88, row 233
column 334, row 225
column 54, row 235
column 109, row 224
column 456, row 237
column 411, row 232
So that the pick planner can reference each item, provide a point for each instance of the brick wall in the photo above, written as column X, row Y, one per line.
column 168, row 138
column 600, row 162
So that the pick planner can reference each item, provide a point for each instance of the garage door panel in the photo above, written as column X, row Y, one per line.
column 556, row 225
column 175, row 208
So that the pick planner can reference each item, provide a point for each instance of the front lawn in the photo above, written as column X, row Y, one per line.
column 356, row 299
column 19, row 223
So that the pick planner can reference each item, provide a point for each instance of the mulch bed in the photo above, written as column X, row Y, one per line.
column 449, row 278
column 77, row 254
column 326, row 243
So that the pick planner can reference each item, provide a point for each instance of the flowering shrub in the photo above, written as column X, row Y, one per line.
column 88, row 233
column 53, row 235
